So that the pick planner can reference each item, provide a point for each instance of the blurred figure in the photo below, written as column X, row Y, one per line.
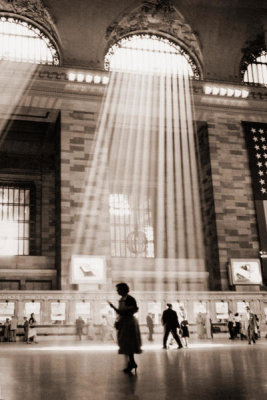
column 103, row 327
column 110, row 327
column 7, row 330
column 207, row 325
column 91, row 329
column 231, row 325
column 170, row 322
column 150, row 325
column 243, row 326
column 128, row 333
column 26, row 330
column 79, row 327
column 200, row 325
column 184, row 332
column 252, row 326
column 13, row 328
column 237, row 325
column 32, row 334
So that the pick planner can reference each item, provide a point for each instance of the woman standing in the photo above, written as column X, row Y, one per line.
column 32, row 333
column 128, row 333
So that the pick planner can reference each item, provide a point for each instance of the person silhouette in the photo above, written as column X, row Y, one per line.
column 170, row 322
column 128, row 333
column 150, row 325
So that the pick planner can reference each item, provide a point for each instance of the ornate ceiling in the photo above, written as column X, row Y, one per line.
column 214, row 31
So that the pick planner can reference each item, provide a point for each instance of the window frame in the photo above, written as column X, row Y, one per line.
column 171, row 41
column 40, row 31
column 249, row 59
column 32, row 211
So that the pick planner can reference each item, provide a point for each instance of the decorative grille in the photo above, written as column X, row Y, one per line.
column 14, row 220
column 150, row 53
column 131, row 227
column 23, row 42
column 256, row 70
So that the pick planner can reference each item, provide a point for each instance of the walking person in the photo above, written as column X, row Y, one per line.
column 13, row 329
column 237, row 325
column 128, row 333
column 26, row 330
column 150, row 325
column 252, row 326
column 184, row 332
column 79, row 327
column 231, row 326
column 7, row 330
column 170, row 322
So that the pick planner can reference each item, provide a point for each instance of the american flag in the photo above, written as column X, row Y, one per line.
column 256, row 138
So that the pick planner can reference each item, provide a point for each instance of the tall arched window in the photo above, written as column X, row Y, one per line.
column 150, row 53
column 254, row 68
column 23, row 42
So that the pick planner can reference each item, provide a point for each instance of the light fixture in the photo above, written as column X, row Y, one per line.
column 207, row 89
column 244, row 93
column 89, row 78
column 237, row 93
column 97, row 79
column 72, row 76
column 105, row 80
column 215, row 90
column 80, row 77
column 230, row 92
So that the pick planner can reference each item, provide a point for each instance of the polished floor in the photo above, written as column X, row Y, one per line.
column 210, row 370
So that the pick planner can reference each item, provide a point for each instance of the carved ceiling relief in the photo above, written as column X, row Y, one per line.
column 32, row 9
column 157, row 16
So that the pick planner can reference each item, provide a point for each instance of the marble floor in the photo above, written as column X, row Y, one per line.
column 210, row 370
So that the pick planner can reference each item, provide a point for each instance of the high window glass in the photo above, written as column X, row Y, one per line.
column 14, row 220
column 255, row 70
column 125, row 216
column 149, row 53
column 23, row 42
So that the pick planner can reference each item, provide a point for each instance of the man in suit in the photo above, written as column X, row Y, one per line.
column 170, row 322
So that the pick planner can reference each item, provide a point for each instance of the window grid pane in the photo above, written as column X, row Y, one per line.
column 22, row 42
column 14, row 220
column 150, row 53
column 256, row 71
column 131, row 227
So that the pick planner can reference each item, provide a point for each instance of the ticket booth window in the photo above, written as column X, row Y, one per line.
column 200, row 307
column 222, row 312
column 154, row 308
column 241, row 307
column 33, row 307
column 82, row 309
column 58, row 312
column 7, row 310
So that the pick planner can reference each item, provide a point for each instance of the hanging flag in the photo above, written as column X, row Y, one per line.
column 256, row 139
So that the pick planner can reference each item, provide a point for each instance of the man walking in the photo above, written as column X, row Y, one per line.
column 170, row 322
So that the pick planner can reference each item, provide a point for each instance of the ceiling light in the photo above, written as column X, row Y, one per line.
column 80, row 77
column 97, row 79
column 72, row 76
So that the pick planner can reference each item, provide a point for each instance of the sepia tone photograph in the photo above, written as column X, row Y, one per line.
column 133, row 199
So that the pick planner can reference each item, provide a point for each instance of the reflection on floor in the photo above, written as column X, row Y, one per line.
column 213, row 370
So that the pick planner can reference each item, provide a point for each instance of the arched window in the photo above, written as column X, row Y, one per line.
column 23, row 42
column 150, row 53
column 254, row 68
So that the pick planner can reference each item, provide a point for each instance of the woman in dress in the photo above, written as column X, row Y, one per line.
column 32, row 330
column 128, row 333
